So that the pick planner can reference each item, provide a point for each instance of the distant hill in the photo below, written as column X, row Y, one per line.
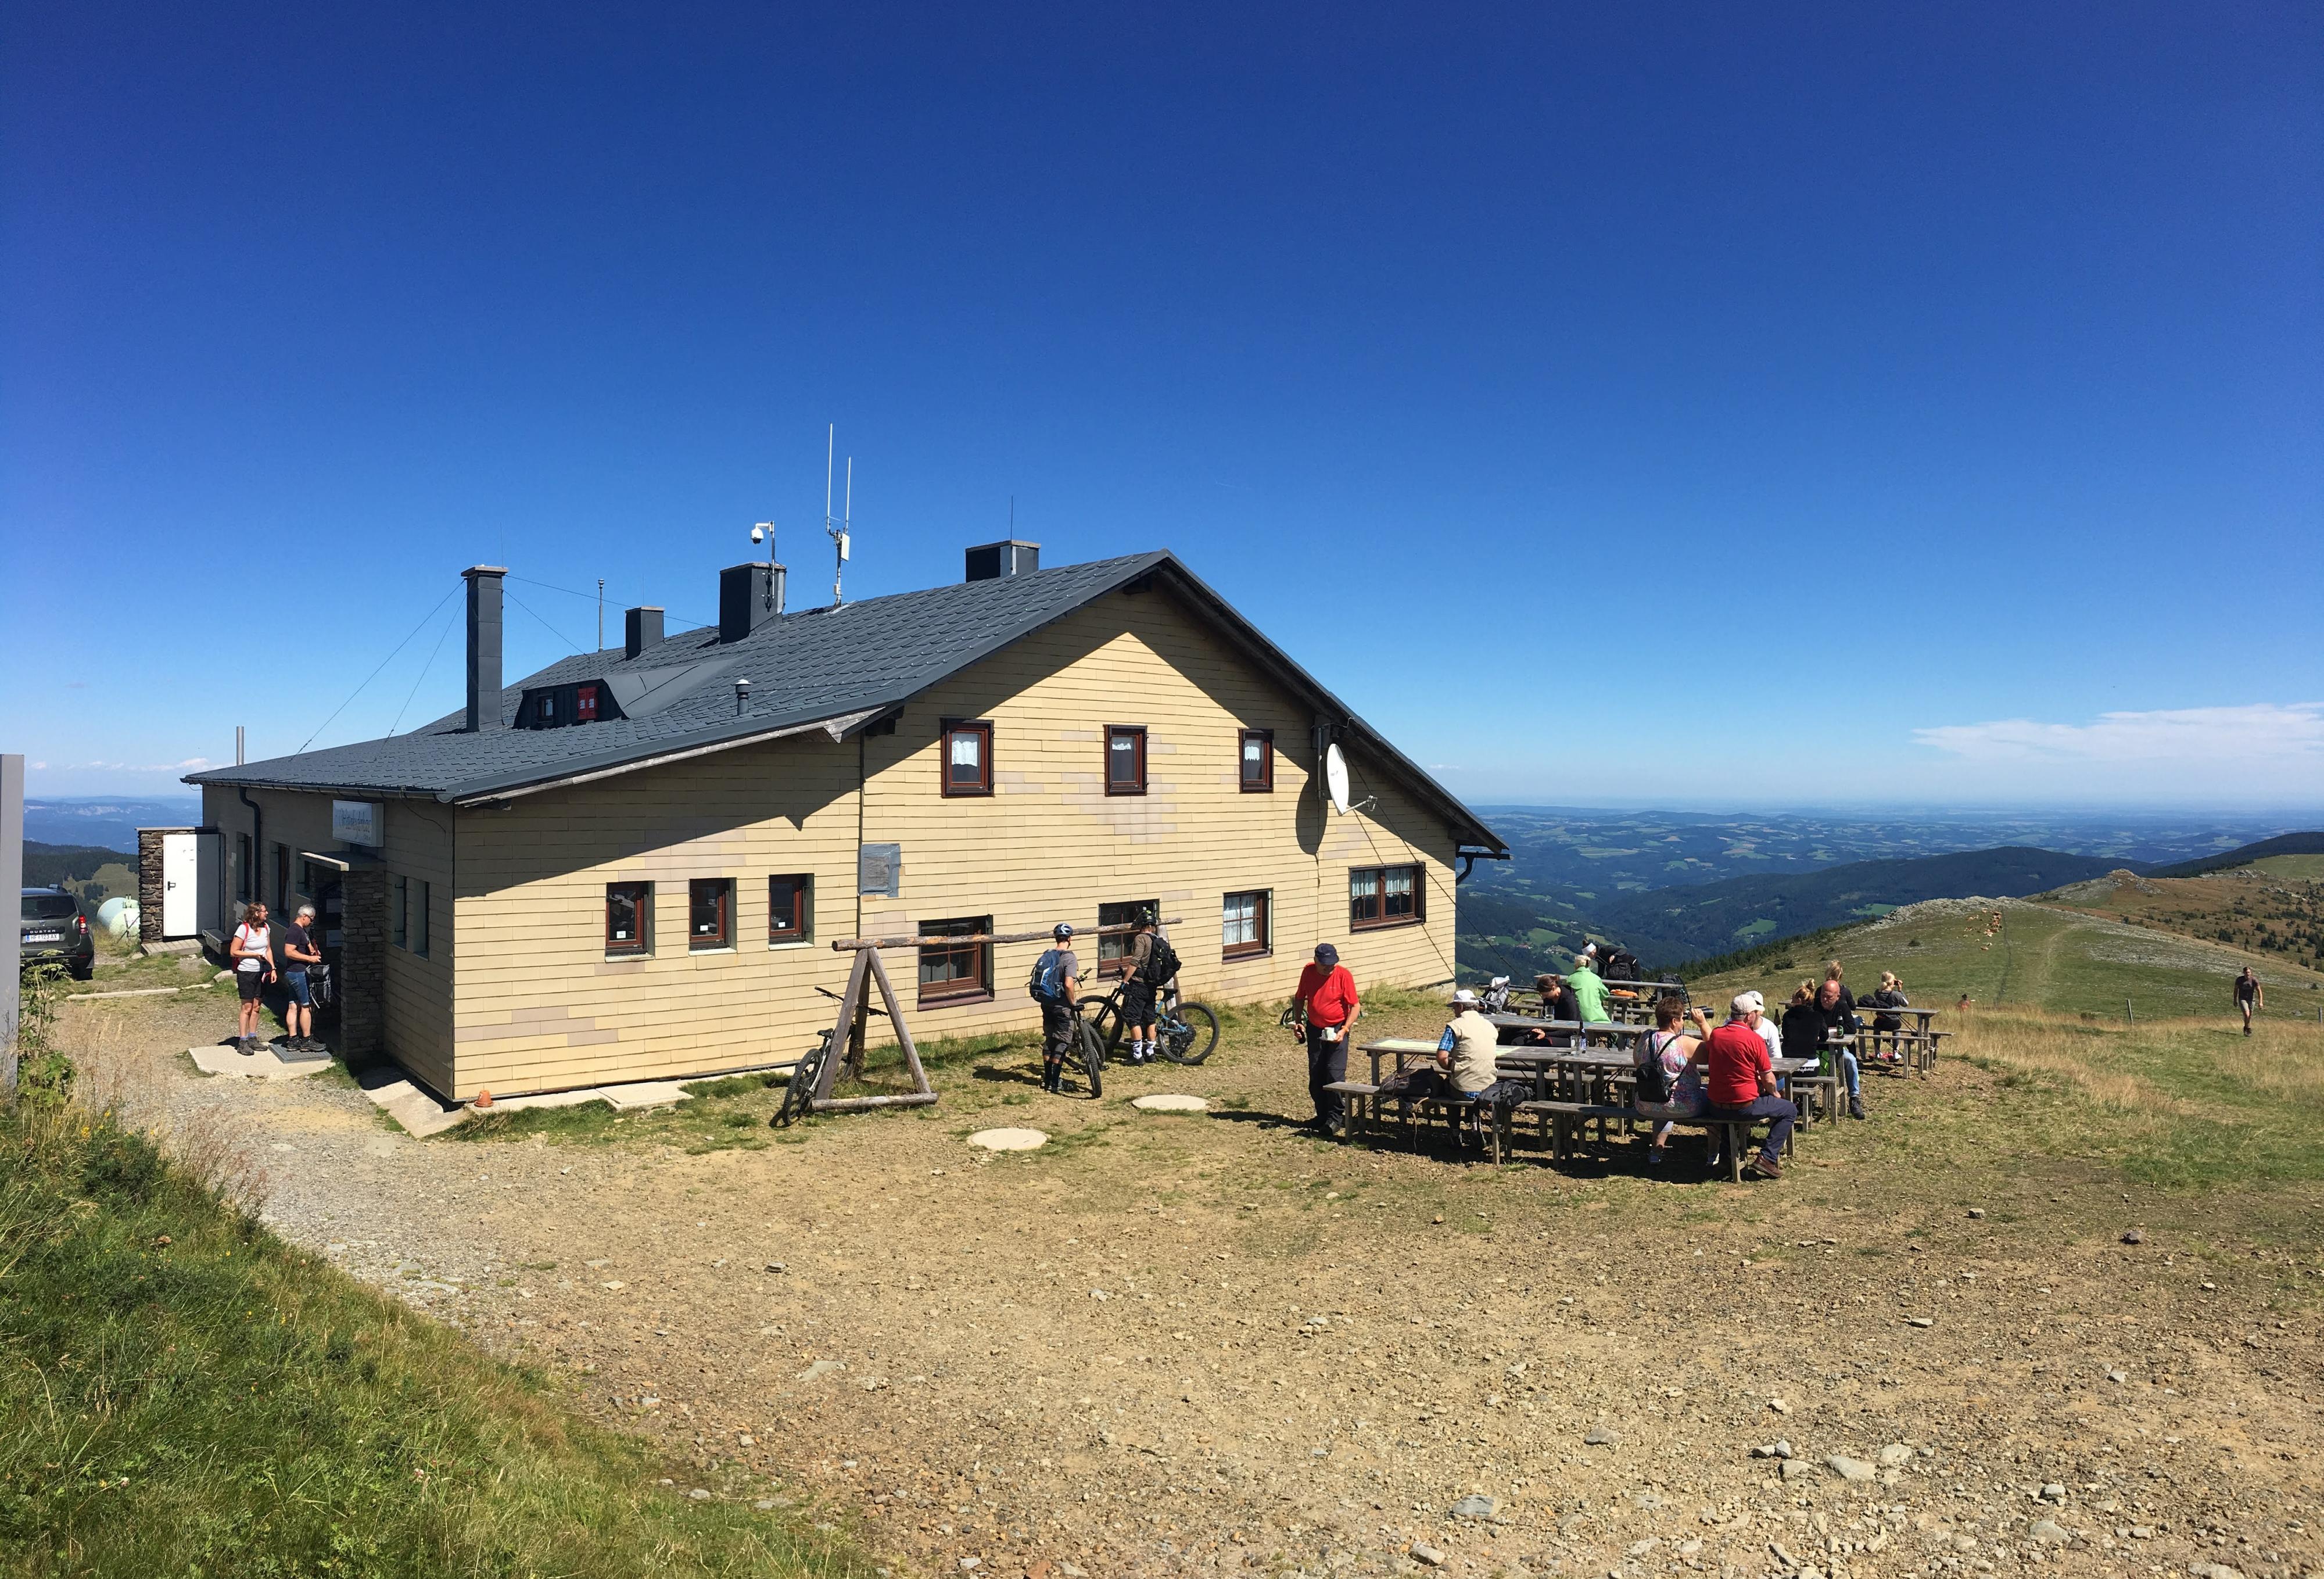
column 110, row 821
column 1670, row 927
column 2041, row 955
column 47, row 866
column 2286, row 844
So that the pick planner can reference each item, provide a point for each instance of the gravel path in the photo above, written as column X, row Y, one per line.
column 1192, row 1344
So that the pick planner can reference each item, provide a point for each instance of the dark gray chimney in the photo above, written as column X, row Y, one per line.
column 748, row 595
column 484, row 645
column 991, row 561
column 642, row 630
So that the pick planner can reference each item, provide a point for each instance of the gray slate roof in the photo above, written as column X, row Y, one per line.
column 805, row 667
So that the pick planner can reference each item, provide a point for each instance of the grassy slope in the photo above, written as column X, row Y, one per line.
column 182, row 1393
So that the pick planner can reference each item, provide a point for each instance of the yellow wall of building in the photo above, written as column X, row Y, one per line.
column 540, row 1007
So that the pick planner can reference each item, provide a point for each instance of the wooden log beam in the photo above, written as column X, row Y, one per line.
column 850, row 1105
column 844, row 944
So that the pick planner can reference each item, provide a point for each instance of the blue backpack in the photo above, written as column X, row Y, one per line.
column 1048, row 984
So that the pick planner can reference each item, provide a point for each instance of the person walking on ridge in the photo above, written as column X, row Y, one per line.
column 1326, row 994
column 2248, row 997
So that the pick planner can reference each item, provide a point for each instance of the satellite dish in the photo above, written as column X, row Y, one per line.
column 1335, row 777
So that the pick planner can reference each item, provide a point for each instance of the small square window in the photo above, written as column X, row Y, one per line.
column 955, row 973
column 1125, row 760
column 1113, row 948
column 584, row 705
column 629, row 918
column 789, row 908
column 1258, row 765
column 1245, row 922
column 967, row 756
column 709, row 913
column 1384, row 896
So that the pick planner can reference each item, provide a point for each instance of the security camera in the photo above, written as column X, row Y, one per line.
column 758, row 535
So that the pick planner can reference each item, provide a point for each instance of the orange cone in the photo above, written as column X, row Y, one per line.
column 483, row 1099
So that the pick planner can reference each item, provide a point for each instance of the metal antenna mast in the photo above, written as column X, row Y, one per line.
column 837, row 526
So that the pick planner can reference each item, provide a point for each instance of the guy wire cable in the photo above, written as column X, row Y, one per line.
column 373, row 675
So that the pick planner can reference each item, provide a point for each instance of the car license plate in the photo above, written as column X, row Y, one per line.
column 44, row 938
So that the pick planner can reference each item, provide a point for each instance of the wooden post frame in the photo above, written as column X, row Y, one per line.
column 854, row 1012
column 853, row 1003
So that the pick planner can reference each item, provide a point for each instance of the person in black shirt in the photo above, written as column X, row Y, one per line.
column 300, row 954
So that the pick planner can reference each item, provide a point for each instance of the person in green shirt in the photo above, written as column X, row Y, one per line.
column 1589, row 990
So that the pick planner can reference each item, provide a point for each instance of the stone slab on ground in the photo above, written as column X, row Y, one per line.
column 1167, row 1103
column 1008, row 1139
column 644, row 1093
column 409, row 1106
column 263, row 1064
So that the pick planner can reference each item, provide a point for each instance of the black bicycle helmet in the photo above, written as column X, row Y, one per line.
column 1063, row 931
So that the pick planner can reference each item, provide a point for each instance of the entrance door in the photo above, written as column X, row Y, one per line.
column 179, row 896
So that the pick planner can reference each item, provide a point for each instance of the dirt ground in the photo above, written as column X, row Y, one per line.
column 1200, row 1344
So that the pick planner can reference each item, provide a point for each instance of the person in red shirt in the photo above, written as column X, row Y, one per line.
column 1327, row 996
column 1739, row 1078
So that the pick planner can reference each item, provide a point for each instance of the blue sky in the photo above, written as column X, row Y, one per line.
column 1776, row 404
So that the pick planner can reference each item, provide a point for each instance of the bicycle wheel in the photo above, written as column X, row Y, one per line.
column 799, row 1091
column 1092, row 1053
column 1188, row 1033
column 1105, row 1024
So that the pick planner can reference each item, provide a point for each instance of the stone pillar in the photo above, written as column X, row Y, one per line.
column 362, row 963
column 149, row 882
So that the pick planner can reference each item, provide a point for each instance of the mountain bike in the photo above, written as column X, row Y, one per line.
column 1183, row 1033
column 806, row 1074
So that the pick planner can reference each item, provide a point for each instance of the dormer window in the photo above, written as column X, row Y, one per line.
column 584, row 705
column 546, row 711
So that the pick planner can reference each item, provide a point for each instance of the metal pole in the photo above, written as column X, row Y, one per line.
column 2126, row 1012
column 12, row 943
column 601, row 614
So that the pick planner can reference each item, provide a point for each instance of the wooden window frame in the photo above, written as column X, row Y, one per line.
column 975, row 988
column 946, row 729
column 643, row 945
column 802, row 908
column 1266, row 784
column 1264, row 921
column 1381, row 919
column 420, row 938
column 1135, row 734
column 544, row 712
column 700, row 943
column 1115, row 966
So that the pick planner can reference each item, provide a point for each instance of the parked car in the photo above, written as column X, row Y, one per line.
column 57, row 933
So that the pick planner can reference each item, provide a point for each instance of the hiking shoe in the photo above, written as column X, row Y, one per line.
column 1856, row 1107
column 1763, row 1166
column 1653, row 1156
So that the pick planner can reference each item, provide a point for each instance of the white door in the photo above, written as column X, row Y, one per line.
column 209, row 878
column 178, row 896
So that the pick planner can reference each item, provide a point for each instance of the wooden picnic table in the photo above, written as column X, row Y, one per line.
column 1610, row 1029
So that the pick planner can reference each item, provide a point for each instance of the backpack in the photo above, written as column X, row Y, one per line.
column 1653, row 1083
column 1161, row 963
column 1048, row 984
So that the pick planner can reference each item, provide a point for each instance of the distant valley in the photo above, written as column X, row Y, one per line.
column 1682, row 887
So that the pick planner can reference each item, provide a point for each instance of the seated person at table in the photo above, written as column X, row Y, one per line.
column 1740, row 1080
column 1589, row 993
column 1464, row 1067
column 1890, row 996
column 1835, row 1014
column 1802, row 1032
column 1557, row 1003
column 1670, row 1078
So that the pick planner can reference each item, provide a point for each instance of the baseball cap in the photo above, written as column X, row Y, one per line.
column 1749, row 1003
column 1326, row 956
